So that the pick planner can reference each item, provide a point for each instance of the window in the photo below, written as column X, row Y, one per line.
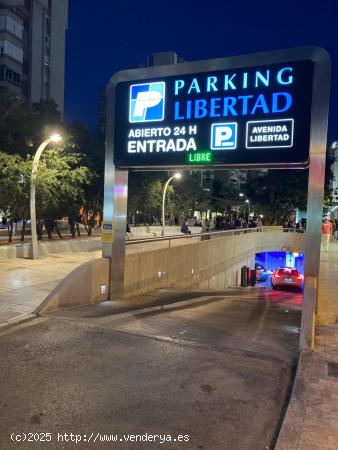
column 2, row 23
column 11, row 25
column 9, row 49
column 9, row 75
column 14, row 27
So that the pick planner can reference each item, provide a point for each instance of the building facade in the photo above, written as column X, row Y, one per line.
column 32, row 48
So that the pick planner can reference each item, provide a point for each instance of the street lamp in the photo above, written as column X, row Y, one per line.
column 241, row 194
column 248, row 202
column 34, row 246
column 177, row 176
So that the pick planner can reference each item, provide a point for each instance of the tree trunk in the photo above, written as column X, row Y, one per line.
column 39, row 226
column 71, row 222
column 10, row 230
column 23, row 229
column 89, row 224
column 58, row 230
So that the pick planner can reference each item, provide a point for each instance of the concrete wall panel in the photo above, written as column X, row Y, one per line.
column 209, row 264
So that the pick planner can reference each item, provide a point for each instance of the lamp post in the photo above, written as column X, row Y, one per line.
column 43, row 145
column 177, row 176
column 248, row 202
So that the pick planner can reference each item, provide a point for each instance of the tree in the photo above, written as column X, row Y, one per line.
column 80, row 164
column 23, row 126
column 145, row 196
column 190, row 196
column 60, row 187
column 276, row 192
column 14, row 190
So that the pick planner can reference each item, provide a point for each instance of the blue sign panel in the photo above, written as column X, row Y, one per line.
column 245, row 116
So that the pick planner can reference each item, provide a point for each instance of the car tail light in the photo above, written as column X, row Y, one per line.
column 276, row 275
column 299, row 277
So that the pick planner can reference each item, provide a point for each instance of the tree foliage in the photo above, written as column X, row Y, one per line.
column 69, row 176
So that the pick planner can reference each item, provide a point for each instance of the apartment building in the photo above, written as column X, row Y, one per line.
column 32, row 48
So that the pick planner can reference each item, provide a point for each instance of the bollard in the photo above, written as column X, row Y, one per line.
column 244, row 276
column 252, row 278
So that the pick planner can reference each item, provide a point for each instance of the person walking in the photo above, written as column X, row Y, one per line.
column 326, row 233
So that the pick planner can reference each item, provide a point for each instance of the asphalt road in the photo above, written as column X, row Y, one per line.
column 217, row 373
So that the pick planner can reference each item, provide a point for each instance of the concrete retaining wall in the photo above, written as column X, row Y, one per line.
column 209, row 264
column 81, row 287
column 45, row 248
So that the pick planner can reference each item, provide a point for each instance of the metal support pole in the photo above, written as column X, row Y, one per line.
column 34, row 252
column 315, row 198
column 119, row 238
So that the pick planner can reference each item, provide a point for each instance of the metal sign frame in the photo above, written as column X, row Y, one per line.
column 116, row 181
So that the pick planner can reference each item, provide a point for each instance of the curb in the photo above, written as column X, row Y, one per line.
column 147, row 309
column 291, row 428
column 11, row 323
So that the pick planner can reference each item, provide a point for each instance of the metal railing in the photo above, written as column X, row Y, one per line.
column 203, row 236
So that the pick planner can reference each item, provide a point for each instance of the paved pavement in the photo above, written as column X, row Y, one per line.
column 311, row 422
column 25, row 283
column 23, row 286
column 217, row 372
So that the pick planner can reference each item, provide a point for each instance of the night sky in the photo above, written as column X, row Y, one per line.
column 109, row 35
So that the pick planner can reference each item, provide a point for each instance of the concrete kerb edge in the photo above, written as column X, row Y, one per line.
column 150, row 309
column 290, row 431
column 11, row 323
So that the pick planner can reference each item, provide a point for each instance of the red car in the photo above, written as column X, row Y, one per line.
column 288, row 278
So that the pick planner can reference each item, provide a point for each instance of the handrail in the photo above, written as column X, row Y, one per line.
column 195, row 235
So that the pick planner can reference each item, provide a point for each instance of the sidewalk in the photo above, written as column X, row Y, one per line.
column 25, row 283
column 311, row 422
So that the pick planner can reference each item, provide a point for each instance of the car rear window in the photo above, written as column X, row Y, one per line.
column 287, row 272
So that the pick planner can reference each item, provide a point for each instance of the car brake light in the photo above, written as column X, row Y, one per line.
column 276, row 275
column 299, row 277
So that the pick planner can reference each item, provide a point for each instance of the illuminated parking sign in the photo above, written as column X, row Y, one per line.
column 146, row 102
column 248, row 111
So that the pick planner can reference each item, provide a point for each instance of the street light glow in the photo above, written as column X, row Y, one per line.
column 178, row 176
column 247, row 201
column 55, row 137
column 241, row 194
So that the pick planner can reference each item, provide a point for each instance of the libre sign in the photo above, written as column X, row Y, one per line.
column 251, row 111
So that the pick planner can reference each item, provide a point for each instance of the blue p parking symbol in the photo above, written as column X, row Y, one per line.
column 223, row 136
column 146, row 102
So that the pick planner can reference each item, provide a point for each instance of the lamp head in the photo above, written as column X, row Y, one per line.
column 55, row 137
column 241, row 194
column 247, row 201
column 178, row 176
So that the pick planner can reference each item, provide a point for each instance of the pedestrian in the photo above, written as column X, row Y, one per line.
column 259, row 224
column 326, row 233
